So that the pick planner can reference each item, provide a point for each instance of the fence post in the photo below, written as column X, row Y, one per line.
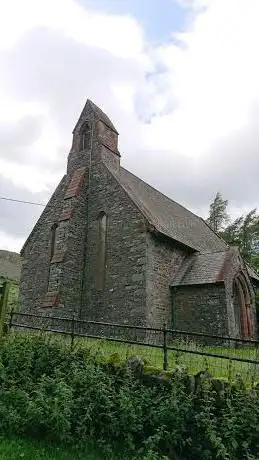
column 255, row 365
column 11, row 319
column 72, row 331
column 165, row 363
column 4, row 291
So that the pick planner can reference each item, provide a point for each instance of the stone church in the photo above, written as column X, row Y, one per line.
column 109, row 247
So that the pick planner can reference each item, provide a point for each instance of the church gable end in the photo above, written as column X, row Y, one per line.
column 109, row 247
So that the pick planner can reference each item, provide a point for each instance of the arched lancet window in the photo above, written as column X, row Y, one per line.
column 101, row 250
column 53, row 239
column 84, row 137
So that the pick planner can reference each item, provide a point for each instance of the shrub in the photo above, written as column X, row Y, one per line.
column 47, row 392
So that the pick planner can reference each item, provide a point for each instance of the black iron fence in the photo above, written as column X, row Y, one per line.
column 220, row 356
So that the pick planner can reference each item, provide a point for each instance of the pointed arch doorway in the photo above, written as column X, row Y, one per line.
column 242, row 307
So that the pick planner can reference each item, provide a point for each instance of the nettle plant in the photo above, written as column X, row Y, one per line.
column 48, row 392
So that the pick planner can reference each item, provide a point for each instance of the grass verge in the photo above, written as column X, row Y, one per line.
column 23, row 449
column 217, row 367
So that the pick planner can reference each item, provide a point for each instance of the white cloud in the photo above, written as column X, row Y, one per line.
column 210, row 76
column 120, row 35
column 187, row 111
column 27, row 176
column 10, row 243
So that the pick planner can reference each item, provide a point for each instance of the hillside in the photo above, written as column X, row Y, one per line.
column 10, row 265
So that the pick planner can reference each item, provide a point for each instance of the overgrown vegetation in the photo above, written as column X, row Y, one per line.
column 51, row 394
column 13, row 293
column 193, row 363
column 25, row 449
column 242, row 232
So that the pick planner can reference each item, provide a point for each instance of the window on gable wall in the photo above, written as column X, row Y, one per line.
column 101, row 251
column 84, row 137
column 53, row 239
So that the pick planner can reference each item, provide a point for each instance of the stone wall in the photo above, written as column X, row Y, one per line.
column 36, row 255
column 123, row 298
column 107, row 136
column 73, row 263
column 66, row 283
column 163, row 260
column 201, row 308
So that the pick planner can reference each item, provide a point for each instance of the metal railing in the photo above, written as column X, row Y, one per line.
column 221, row 356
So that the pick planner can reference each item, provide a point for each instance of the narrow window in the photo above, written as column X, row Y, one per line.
column 84, row 137
column 101, row 261
column 53, row 239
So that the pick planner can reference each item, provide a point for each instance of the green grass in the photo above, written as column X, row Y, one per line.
column 23, row 449
column 227, row 369
column 194, row 363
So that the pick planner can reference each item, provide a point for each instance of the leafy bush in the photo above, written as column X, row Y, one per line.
column 49, row 393
column 257, row 306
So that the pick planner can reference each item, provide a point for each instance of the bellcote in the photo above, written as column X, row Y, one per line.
column 94, row 135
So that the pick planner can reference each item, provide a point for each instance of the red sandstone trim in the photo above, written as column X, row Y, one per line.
column 50, row 299
column 66, row 214
column 75, row 183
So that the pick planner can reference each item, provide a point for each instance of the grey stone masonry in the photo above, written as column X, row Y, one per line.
column 109, row 247
column 36, row 254
column 201, row 308
column 163, row 259
column 124, row 296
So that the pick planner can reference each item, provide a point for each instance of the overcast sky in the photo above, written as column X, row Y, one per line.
column 178, row 78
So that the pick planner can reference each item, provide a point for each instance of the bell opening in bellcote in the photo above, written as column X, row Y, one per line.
column 84, row 135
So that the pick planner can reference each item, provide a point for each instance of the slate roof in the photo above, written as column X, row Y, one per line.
column 169, row 217
column 252, row 273
column 89, row 108
column 200, row 269
column 101, row 115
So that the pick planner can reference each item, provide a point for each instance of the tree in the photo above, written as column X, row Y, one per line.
column 244, row 233
column 218, row 215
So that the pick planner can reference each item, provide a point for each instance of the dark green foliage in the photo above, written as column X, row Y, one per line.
column 49, row 393
column 242, row 232
column 218, row 215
